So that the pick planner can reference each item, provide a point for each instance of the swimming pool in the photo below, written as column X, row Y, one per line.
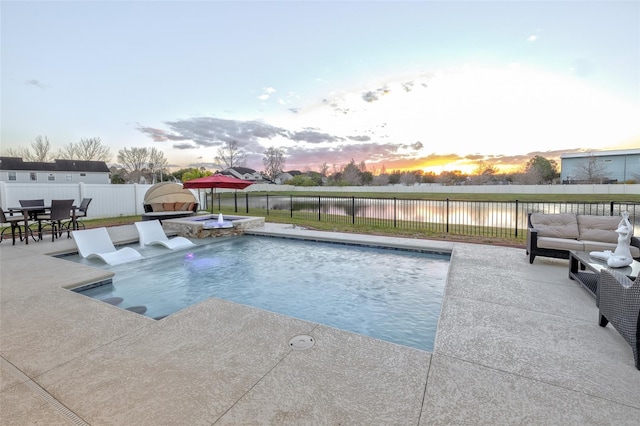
column 393, row 295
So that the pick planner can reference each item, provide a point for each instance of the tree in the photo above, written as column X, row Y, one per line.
column 324, row 168
column 134, row 161
column 541, row 170
column 380, row 180
column 452, row 178
column 195, row 174
column 273, row 162
column 591, row 170
column 40, row 151
column 15, row 152
column 394, row 177
column 429, row 177
column 302, row 180
column 87, row 149
column 117, row 176
column 367, row 178
column 408, row 178
column 483, row 174
column 230, row 155
column 157, row 164
column 177, row 175
column 351, row 174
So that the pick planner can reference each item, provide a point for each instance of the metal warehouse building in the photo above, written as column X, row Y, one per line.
column 601, row 166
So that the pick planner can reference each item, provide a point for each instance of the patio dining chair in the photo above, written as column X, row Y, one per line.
column 81, row 212
column 33, row 203
column 57, row 219
column 12, row 222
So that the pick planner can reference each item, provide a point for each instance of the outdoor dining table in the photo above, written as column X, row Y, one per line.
column 31, row 213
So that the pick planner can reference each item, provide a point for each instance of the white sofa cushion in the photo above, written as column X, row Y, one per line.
column 598, row 228
column 561, row 225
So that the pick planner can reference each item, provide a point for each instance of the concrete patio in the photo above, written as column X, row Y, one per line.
column 516, row 344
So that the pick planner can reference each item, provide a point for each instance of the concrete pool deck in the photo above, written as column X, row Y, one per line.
column 516, row 344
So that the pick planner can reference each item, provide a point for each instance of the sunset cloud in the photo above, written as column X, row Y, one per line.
column 405, row 122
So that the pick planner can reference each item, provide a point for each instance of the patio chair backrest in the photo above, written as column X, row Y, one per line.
column 84, row 204
column 3, row 217
column 31, row 203
column 150, row 231
column 93, row 241
column 60, row 209
column 11, row 218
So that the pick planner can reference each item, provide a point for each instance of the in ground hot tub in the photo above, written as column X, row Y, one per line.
column 211, row 225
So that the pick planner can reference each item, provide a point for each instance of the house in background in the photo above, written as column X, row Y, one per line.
column 284, row 177
column 246, row 174
column 14, row 170
column 617, row 166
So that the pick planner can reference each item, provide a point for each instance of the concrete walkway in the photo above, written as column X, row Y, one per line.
column 516, row 344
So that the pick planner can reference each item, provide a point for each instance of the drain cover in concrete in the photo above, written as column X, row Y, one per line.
column 301, row 342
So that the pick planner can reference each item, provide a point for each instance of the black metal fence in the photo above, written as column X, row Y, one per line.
column 506, row 219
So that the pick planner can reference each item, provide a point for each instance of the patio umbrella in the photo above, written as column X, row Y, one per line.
column 216, row 181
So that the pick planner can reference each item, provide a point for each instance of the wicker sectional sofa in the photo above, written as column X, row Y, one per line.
column 554, row 235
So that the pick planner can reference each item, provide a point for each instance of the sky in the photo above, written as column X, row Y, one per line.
column 430, row 85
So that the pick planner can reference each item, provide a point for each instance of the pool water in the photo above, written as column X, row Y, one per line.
column 393, row 295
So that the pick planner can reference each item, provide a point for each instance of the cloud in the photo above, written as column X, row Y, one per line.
column 302, row 157
column 312, row 136
column 159, row 135
column 211, row 131
column 266, row 93
column 532, row 38
column 207, row 166
column 362, row 138
column 370, row 96
column 36, row 83
column 375, row 95
column 185, row 145
column 397, row 121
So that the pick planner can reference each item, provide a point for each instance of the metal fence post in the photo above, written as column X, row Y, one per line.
column 447, row 215
column 353, row 210
column 267, row 204
column 319, row 205
column 235, row 201
column 246, row 197
column 291, row 204
column 395, row 212
column 516, row 219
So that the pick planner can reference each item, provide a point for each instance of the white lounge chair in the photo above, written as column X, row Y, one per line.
column 96, row 242
column 151, row 232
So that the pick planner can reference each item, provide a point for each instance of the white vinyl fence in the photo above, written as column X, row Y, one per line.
column 127, row 200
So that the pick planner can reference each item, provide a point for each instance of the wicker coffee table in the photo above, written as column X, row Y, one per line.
column 586, row 270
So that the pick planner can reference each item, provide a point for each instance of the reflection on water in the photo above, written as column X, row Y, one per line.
column 489, row 214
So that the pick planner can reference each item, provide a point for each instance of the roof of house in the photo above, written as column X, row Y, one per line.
column 600, row 153
column 16, row 163
column 241, row 170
